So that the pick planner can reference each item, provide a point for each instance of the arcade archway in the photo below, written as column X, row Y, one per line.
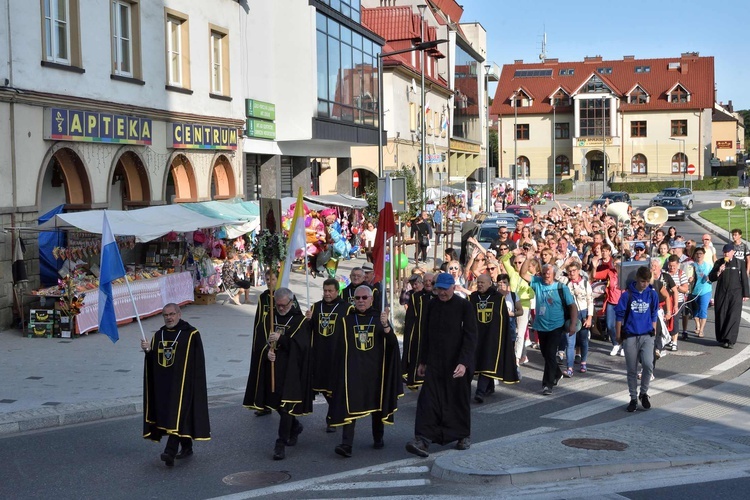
column 180, row 185
column 64, row 180
column 222, row 180
column 595, row 165
column 129, row 186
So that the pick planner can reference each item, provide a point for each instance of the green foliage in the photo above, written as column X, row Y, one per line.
column 708, row 184
column 727, row 219
column 745, row 114
column 563, row 187
column 493, row 151
column 413, row 194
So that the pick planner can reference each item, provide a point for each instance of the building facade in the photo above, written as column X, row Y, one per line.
column 728, row 144
column 115, row 104
column 630, row 119
column 315, row 64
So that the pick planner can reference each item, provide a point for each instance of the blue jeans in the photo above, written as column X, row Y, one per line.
column 581, row 338
column 611, row 320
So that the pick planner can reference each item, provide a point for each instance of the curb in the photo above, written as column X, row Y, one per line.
column 525, row 476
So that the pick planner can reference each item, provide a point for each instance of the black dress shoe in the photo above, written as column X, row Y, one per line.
column 279, row 452
column 344, row 450
column 168, row 459
column 184, row 454
column 478, row 398
column 262, row 413
column 330, row 429
column 463, row 444
column 379, row 444
column 294, row 435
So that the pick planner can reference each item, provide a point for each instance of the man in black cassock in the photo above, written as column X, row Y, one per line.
column 260, row 340
column 446, row 362
column 495, row 355
column 285, row 375
column 367, row 371
column 326, row 328
column 413, row 332
column 731, row 291
column 175, row 397
column 356, row 278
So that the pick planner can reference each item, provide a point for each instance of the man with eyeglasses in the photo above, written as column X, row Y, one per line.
column 326, row 319
column 413, row 332
column 284, row 381
column 495, row 358
column 175, row 399
column 356, row 278
column 367, row 371
column 446, row 362
column 503, row 239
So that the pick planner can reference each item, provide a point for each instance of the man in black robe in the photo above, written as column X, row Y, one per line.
column 356, row 278
column 375, row 286
column 260, row 340
column 367, row 370
column 495, row 355
column 285, row 375
column 175, row 397
column 413, row 332
column 326, row 328
column 731, row 291
column 446, row 362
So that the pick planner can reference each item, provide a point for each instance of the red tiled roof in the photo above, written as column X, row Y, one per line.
column 451, row 8
column 400, row 27
column 695, row 74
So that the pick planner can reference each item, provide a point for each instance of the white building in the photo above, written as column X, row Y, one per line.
column 115, row 104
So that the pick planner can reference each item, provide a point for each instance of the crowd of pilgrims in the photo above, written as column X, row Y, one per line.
column 471, row 316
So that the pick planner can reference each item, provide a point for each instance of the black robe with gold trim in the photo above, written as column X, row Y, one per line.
column 175, row 398
column 369, row 378
column 347, row 294
column 413, row 338
column 260, row 339
column 327, row 327
column 495, row 355
column 449, row 338
column 292, row 370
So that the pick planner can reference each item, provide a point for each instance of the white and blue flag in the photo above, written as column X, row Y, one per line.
column 111, row 268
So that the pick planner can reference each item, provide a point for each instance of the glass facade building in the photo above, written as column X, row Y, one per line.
column 466, row 105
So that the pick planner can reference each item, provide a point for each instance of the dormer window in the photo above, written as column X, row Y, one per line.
column 560, row 98
column 521, row 99
column 595, row 85
column 679, row 94
column 638, row 96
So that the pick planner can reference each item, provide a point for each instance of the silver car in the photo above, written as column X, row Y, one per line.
column 684, row 194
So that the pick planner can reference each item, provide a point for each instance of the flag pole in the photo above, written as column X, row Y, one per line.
column 135, row 308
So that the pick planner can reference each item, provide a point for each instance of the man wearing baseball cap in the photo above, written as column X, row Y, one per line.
column 446, row 362
column 731, row 291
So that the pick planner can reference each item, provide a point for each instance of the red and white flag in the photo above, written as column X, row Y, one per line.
column 386, row 230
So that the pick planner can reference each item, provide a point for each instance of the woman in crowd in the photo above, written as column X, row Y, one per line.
column 701, row 293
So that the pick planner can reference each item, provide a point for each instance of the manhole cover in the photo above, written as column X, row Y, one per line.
column 595, row 444
column 256, row 478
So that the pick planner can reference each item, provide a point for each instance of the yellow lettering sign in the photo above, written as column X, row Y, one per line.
column 120, row 126
column 198, row 134
column 178, row 133
column 91, row 125
column 145, row 131
column 216, row 135
column 75, row 124
column 106, row 121
column 133, row 127
column 188, row 134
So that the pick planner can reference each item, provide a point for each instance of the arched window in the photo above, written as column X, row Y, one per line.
column 638, row 164
column 562, row 165
column 524, row 166
column 679, row 163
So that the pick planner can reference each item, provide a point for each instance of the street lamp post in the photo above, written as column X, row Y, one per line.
column 683, row 161
column 515, row 144
column 487, row 68
column 604, row 144
column 421, row 46
column 422, row 121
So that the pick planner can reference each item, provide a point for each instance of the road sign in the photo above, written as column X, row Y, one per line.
column 355, row 179
column 691, row 169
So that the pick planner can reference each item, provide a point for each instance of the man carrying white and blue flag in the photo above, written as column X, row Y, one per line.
column 111, row 268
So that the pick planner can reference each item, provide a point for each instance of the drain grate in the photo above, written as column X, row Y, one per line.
column 256, row 478
column 595, row 444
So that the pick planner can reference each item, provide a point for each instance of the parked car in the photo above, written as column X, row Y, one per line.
column 675, row 207
column 685, row 194
column 523, row 212
column 613, row 197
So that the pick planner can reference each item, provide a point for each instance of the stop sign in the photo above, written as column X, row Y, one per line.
column 691, row 169
column 355, row 179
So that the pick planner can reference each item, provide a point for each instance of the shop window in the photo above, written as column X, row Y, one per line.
column 679, row 163
column 639, row 165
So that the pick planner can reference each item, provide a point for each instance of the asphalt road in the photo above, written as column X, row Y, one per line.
column 109, row 459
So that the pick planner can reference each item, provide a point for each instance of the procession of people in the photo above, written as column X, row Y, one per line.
column 535, row 287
